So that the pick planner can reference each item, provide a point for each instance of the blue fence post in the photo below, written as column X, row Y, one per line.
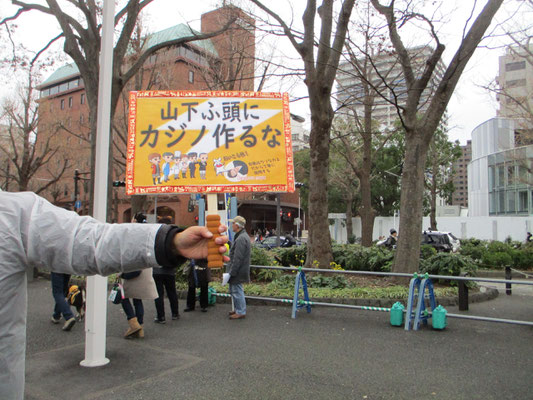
column 413, row 285
column 300, row 277
column 421, row 314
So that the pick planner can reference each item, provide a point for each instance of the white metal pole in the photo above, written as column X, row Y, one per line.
column 95, row 323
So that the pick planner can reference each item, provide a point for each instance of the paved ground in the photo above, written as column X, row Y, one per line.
column 328, row 354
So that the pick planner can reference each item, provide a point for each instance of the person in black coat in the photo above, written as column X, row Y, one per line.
column 199, row 276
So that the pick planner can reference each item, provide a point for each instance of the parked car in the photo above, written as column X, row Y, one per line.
column 456, row 243
column 272, row 241
column 440, row 241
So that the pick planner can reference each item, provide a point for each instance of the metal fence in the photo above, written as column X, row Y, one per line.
column 463, row 291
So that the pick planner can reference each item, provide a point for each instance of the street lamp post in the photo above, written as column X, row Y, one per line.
column 298, row 186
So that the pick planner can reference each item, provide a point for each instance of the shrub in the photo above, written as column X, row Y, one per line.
column 260, row 256
column 284, row 281
column 332, row 282
column 496, row 260
column 427, row 251
column 294, row 256
column 523, row 258
column 355, row 257
column 449, row 264
column 473, row 248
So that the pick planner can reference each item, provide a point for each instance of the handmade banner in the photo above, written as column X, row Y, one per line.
column 209, row 142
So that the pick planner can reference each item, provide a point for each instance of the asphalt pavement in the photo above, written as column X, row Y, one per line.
column 331, row 353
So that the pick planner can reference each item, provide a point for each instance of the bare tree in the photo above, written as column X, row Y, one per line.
column 321, row 59
column 82, row 44
column 420, row 128
column 23, row 160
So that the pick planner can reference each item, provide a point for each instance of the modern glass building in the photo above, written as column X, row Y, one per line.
column 500, row 181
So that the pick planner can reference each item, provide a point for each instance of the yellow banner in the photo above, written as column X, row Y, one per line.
column 209, row 142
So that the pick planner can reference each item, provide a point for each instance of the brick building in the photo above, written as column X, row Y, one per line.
column 225, row 62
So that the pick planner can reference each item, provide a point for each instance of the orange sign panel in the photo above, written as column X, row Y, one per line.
column 209, row 142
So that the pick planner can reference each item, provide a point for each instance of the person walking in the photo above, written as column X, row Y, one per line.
column 61, row 308
column 165, row 280
column 199, row 277
column 138, row 285
column 239, row 267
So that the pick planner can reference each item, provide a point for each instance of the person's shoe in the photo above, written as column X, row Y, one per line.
column 69, row 324
column 237, row 316
column 159, row 320
column 139, row 334
column 175, row 316
column 55, row 320
column 134, row 327
column 188, row 309
column 231, row 313
column 204, row 309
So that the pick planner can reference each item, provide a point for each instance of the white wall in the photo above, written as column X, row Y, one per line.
column 487, row 228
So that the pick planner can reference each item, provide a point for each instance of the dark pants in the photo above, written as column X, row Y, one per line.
column 60, row 291
column 191, row 296
column 166, row 282
column 128, row 309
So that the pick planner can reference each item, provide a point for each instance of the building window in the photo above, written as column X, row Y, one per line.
column 62, row 104
column 522, row 201
column 515, row 83
column 511, row 202
column 510, row 175
column 82, row 98
column 501, row 176
column 81, row 119
column 70, row 102
column 191, row 76
column 514, row 66
column 492, row 203
column 501, row 202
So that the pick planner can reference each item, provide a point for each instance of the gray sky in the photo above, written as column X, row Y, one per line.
column 470, row 105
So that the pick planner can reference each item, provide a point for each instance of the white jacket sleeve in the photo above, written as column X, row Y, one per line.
column 60, row 240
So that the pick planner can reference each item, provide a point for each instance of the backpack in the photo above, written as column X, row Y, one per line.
column 75, row 296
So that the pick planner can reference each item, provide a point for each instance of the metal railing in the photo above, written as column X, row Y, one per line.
column 463, row 291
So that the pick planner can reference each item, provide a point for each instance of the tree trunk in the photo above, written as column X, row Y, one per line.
column 319, row 243
column 366, row 211
column 408, row 253
column 349, row 225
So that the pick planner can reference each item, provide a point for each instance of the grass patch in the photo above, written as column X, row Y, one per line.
column 389, row 292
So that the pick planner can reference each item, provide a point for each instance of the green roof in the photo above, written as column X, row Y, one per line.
column 179, row 31
column 174, row 32
column 61, row 74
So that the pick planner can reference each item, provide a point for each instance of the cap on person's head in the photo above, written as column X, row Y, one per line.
column 140, row 218
column 392, row 231
column 239, row 221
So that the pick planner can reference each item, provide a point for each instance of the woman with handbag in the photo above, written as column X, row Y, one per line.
column 139, row 286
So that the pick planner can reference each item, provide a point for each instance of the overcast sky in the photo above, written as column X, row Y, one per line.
column 470, row 105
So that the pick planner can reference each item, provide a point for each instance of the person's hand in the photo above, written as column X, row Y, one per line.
column 192, row 242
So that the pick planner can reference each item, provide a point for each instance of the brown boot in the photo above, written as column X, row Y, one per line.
column 139, row 334
column 134, row 327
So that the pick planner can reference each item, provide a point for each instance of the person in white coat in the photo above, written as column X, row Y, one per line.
column 34, row 233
